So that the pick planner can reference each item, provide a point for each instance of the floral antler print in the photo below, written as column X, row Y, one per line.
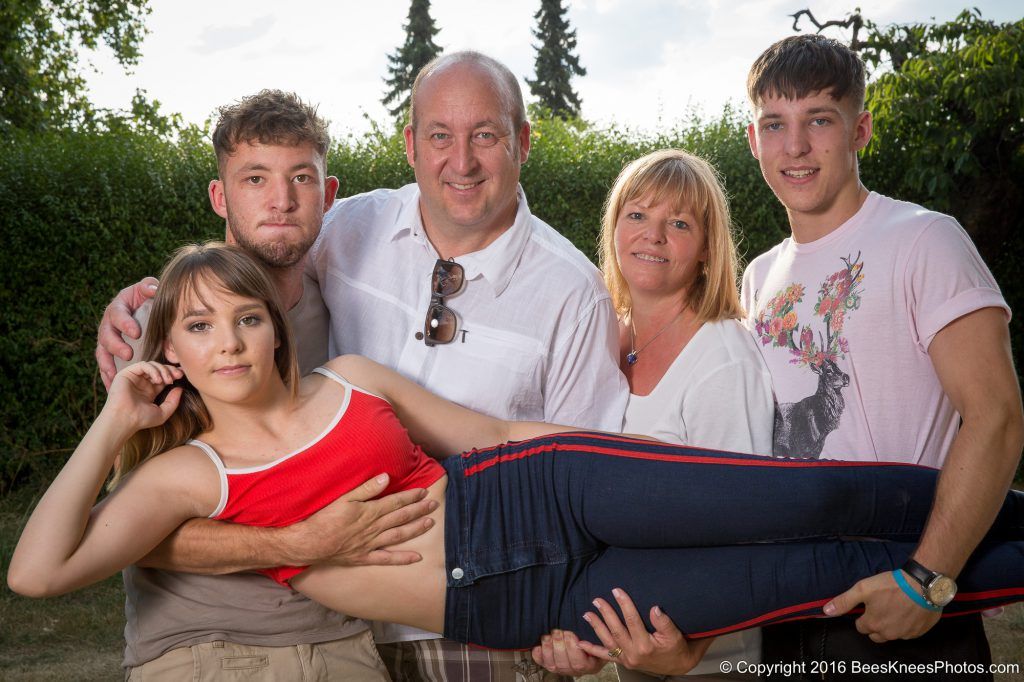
column 839, row 294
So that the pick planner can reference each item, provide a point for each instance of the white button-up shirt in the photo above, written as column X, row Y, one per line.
column 537, row 338
column 537, row 335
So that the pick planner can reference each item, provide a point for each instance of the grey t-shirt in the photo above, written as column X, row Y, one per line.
column 165, row 610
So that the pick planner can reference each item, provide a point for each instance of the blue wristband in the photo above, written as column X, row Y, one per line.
column 912, row 593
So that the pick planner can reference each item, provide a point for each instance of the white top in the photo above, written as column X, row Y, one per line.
column 716, row 394
column 537, row 333
column 844, row 324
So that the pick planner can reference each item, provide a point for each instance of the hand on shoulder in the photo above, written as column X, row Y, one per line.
column 118, row 320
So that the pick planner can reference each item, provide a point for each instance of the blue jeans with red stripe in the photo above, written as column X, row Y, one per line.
column 535, row 530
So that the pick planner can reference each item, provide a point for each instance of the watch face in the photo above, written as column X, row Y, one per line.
column 941, row 590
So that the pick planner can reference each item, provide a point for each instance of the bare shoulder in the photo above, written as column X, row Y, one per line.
column 364, row 372
column 184, row 476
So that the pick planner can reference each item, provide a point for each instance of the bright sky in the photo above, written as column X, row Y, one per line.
column 647, row 61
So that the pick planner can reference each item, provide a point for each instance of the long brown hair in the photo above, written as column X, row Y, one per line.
column 225, row 267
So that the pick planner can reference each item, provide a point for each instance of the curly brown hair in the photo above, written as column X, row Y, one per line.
column 269, row 117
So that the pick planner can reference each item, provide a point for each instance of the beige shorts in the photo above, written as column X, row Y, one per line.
column 352, row 658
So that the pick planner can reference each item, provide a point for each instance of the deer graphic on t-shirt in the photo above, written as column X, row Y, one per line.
column 802, row 426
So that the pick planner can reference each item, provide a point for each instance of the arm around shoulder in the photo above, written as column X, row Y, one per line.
column 117, row 321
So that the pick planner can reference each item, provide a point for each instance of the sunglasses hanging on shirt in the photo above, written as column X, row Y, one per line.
column 441, row 323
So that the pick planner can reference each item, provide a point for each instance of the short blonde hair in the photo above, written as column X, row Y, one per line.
column 687, row 181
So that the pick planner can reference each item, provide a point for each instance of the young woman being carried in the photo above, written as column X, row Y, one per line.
column 526, row 532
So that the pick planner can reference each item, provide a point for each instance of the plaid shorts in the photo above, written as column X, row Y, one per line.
column 442, row 660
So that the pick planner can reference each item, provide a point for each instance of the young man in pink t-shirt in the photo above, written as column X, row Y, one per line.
column 882, row 329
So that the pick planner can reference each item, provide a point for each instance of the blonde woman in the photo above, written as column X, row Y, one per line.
column 695, row 374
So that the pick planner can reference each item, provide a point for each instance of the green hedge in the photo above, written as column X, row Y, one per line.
column 85, row 214
column 81, row 215
column 571, row 169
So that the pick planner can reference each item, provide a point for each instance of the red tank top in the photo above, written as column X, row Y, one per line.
column 363, row 440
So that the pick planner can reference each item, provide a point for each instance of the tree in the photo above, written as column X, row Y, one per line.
column 957, row 101
column 419, row 48
column 555, row 64
column 892, row 44
column 41, row 84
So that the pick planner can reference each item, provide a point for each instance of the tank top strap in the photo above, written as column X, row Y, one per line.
column 334, row 376
column 221, row 473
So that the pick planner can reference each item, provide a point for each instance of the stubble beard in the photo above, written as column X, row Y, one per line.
column 276, row 255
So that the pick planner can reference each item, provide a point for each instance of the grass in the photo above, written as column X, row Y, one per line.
column 74, row 637
column 79, row 636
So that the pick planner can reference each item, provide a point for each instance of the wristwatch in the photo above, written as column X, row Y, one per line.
column 939, row 589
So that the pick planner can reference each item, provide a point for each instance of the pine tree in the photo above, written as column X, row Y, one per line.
column 555, row 64
column 406, row 62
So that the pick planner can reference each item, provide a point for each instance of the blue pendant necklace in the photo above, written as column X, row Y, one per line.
column 634, row 352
